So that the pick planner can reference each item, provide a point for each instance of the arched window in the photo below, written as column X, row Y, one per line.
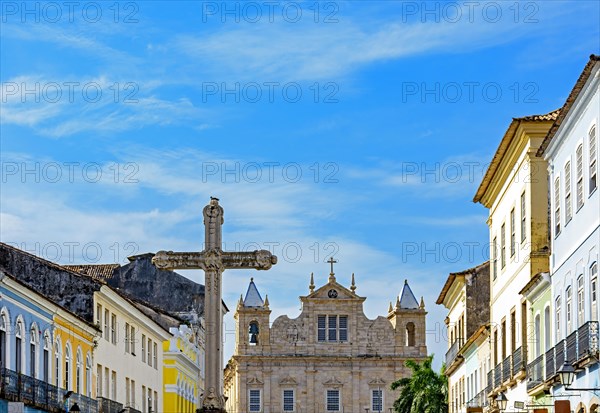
column 33, row 339
column 68, row 367
column 568, row 203
column 557, row 305
column 19, row 346
column 594, row 291
column 537, row 335
column 78, row 375
column 592, row 154
column 46, row 358
column 410, row 334
column 253, row 332
column 579, row 183
column 88, row 376
column 580, row 301
column 547, row 327
column 57, row 362
column 556, row 206
column 3, row 327
column 568, row 307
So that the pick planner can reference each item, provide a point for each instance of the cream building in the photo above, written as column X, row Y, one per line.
column 515, row 190
column 331, row 358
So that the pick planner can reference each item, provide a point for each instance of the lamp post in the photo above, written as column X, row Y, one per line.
column 75, row 408
column 566, row 375
column 501, row 401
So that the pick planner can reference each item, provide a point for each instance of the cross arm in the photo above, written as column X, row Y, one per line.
column 258, row 260
column 169, row 260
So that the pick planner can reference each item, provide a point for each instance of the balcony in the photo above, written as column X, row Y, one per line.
column 39, row 394
column 109, row 406
column 580, row 348
column 490, row 382
column 498, row 375
column 550, row 366
column 518, row 361
column 535, row 372
column 506, row 365
column 480, row 400
column 452, row 353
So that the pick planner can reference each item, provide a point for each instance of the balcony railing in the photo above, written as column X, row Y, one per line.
column 578, row 346
column 550, row 366
column 518, row 359
column 571, row 350
column 453, row 351
column 498, row 375
column 506, row 364
column 109, row 406
column 480, row 400
column 490, row 382
column 535, row 372
column 39, row 394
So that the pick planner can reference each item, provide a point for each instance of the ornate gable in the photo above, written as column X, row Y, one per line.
column 255, row 381
column 288, row 381
column 334, row 290
column 333, row 382
column 377, row 382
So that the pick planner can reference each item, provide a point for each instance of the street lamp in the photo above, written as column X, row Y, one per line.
column 501, row 401
column 75, row 408
column 566, row 375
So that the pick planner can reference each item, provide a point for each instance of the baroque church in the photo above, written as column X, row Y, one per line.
column 331, row 358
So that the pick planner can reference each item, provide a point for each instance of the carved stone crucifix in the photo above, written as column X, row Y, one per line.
column 213, row 261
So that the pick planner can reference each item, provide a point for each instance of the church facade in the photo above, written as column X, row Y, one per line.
column 331, row 358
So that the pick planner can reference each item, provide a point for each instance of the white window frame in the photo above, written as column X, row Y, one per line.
column 339, row 400
column 285, row 406
column 380, row 400
column 579, row 183
column 523, row 217
column 593, row 151
column 568, row 200
column 557, row 206
column 252, row 407
column 503, row 245
column 513, row 233
column 580, row 300
column 569, row 310
column 557, row 310
column 594, row 291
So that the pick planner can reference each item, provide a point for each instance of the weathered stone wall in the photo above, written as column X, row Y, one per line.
column 68, row 289
column 477, row 285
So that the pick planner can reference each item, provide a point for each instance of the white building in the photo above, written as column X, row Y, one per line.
column 129, row 355
column 571, row 149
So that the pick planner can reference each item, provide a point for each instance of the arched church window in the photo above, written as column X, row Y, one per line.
column 253, row 332
column 410, row 334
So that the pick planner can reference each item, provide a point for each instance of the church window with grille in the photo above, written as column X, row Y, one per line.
column 333, row 400
column 332, row 328
column 254, row 400
column 288, row 400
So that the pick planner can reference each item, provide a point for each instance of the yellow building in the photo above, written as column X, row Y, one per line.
column 182, row 370
column 74, row 344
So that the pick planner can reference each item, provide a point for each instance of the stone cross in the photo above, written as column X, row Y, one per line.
column 213, row 261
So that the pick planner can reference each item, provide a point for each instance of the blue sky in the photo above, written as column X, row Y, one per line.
column 359, row 129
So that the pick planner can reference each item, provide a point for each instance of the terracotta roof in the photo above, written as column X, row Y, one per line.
column 452, row 276
column 504, row 145
column 96, row 271
column 583, row 78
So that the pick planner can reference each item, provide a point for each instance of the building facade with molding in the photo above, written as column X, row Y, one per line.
column 515, row 191
column 331, row 358
column 571, row 150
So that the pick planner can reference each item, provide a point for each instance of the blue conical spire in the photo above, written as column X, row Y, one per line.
column 253, row 298
column 407, row 298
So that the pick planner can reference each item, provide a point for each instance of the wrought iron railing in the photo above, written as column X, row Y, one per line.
column 109, row 406
column 587, row 340
column 571, row 350
column 535, row 372
column 480, row 400
column 39, row 394
column 453, row 351
column 559, row 355
column 518, row 359
column 506, row 364
column 490, row 382
column 498, row 375
column 550, row 366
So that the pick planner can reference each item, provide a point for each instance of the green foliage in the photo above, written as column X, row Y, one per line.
column 424, row 392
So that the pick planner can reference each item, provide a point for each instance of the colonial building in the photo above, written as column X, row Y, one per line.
column 331, row 358
column 466, row 295
column 46, row 353
column 515, row 190
column 571, row 150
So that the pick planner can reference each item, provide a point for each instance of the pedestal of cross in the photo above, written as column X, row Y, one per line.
column 213, row 261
